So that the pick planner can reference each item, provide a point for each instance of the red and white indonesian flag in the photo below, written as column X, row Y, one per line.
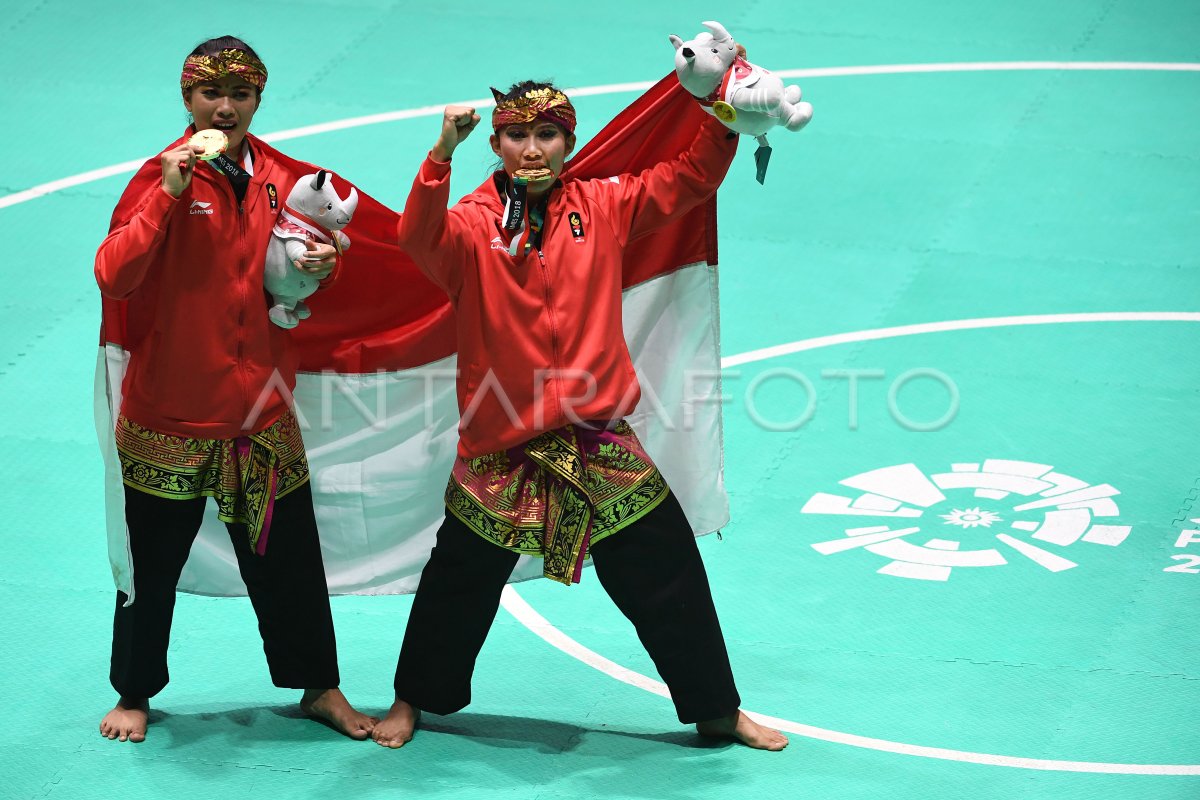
column 376, row 400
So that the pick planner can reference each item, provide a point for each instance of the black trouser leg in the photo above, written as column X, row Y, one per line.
column 653, row 572
column 161, row 533
column 290, row 596
column 453, row 610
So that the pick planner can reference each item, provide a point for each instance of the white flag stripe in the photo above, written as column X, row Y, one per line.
column 381, row 446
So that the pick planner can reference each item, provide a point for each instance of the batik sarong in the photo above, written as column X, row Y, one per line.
column 245, row 475
column 557, row 494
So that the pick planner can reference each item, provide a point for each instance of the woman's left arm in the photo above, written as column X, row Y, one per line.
column 650, row 199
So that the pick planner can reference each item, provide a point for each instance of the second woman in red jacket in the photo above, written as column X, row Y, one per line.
column 546, row 463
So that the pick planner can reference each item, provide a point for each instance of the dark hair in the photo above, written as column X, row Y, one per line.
column 213, row 46
column 518, row 89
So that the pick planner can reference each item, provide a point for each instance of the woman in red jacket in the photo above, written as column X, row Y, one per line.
column 201, row 412
column 546, row 464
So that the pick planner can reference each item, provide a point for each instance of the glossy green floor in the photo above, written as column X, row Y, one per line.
column 912, row 198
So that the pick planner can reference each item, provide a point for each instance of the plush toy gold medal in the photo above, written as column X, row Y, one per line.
column 724, row 112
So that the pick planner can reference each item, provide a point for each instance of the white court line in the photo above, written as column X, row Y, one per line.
column 516, row 605
column 41, row 190
column 956, row 325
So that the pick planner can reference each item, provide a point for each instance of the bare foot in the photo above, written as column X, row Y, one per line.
column 741, row 727
column 397, row 727
column 331, row 707
column 127, row 721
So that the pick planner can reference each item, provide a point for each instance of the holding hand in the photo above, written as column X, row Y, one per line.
column 319, row 261
column 457, row 124
column 177, row 166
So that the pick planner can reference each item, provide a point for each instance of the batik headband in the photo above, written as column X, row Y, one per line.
column 205, row 69
column 546, row 103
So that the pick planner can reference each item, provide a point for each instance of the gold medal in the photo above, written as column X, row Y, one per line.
column 724, row 112
column 534, row 175
column 212, row 140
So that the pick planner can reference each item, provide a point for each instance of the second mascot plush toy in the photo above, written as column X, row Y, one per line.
column 313, row 211
column 744, row 96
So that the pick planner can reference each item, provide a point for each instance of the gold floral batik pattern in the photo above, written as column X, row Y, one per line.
column 557, row 494
column 245, row 475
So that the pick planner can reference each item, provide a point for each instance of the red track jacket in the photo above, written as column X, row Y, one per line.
column 205, row 360
column 540, row 341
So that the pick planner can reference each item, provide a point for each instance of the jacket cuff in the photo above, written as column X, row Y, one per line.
column 433, row 171
column 158, row 208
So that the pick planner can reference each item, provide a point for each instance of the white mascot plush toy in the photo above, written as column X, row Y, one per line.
column 313, row 211
column 744, row 96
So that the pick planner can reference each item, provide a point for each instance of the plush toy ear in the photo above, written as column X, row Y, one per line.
column 318, row 180
column 496, row 93
column 675, row 40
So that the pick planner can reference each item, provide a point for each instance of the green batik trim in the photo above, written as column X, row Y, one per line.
column 574, row 517
column 497, row 531
column 225, row 502
column 176, row 486
column 162, row 483
column 560, row 456
column 290, row 479
column 614, row 517
column 641, row 501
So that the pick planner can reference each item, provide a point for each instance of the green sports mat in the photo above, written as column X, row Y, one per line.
column 960, row 323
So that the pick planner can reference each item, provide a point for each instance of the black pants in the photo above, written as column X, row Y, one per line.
column 653, row 572
column 286, row 586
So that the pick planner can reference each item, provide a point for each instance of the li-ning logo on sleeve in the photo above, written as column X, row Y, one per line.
column 199, row 207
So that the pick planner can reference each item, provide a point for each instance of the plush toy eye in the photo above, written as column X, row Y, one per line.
column 714, row 49
column 330, row 206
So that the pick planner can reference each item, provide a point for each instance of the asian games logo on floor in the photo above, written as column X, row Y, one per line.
column 1014, row 508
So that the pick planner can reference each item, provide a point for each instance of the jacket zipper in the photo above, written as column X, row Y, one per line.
column 553, row 379
column 241, row 320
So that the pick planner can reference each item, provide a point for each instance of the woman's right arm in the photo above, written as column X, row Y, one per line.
column 131, row 247
column 426, row 231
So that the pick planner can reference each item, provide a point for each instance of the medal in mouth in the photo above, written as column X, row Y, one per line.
column 532, row 175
